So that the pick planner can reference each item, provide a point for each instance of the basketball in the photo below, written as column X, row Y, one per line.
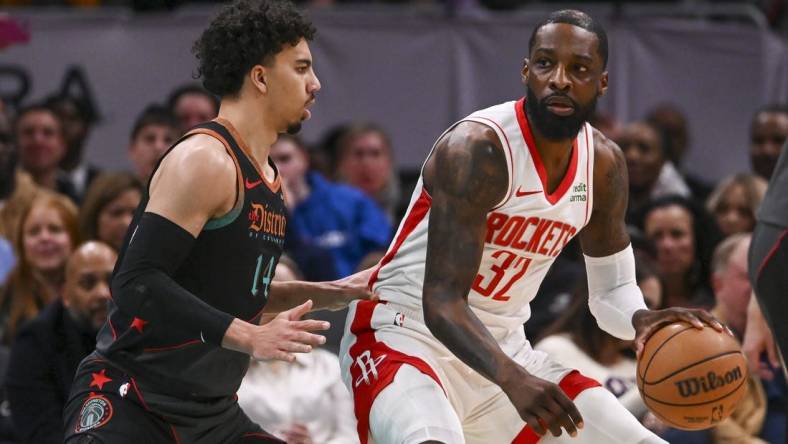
column 691, row 378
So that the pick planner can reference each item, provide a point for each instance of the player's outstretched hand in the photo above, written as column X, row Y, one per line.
column 647, row 322
column 544, row 406
column 287, row 334
column 353, row 287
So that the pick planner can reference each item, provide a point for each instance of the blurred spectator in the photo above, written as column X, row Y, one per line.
column 324, row 158
column 364, row 160
column 48, row 233
column 303, row 402
column 76, row 119
column 684, row 239
column 605, row 123
column 338, row 218
column 650, row 175
column 734, row 202
column 154, row 131
column 191, row 105
column 41, row 145
column 672, row 124
column 768, row 132
column 109, row 207
column 49, row 348
column 575, row 341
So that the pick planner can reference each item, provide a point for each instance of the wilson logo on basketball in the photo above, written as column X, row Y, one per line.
column 712, row 381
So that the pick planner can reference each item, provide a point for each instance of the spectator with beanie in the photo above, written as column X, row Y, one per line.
column 50, row 347
column 338, row 218
column 76, row 118
column 153, row 133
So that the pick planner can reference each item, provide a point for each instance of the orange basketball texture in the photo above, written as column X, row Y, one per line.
column 691, row 378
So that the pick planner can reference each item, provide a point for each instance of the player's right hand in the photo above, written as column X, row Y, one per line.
column 544, row 406
column 287, row 334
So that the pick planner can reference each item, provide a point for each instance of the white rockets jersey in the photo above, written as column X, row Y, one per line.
column 525, row 232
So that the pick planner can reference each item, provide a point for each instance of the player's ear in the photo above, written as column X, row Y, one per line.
column 257, row 75
column 524, row 72
column 603, row 84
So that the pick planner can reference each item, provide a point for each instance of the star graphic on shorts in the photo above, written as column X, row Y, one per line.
column 138, row 324
column 99, row 379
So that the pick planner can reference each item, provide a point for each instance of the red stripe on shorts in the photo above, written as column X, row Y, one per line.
column 380, row 366
column 571, row 384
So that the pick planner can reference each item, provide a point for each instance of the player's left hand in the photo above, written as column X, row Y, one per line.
column 353, row 287
column 646, row 322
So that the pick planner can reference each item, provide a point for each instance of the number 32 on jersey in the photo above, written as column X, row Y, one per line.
column 506, row 270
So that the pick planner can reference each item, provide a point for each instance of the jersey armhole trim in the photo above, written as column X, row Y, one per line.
column 230, row 216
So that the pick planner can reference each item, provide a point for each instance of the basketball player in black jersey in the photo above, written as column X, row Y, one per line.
column 196, row 268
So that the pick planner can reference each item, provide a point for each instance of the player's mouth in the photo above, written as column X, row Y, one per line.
column 560, row 105
column 307, row 112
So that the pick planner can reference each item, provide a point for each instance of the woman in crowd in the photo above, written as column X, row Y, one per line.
column 734, row 202
column 47, row 235
column 303, row 402
column 109, row 207
column 684, row 238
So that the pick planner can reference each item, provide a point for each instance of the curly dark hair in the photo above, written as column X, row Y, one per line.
column 246, row 33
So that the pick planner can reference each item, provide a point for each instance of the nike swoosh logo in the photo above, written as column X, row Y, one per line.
column 521, row 193
column 250, row 185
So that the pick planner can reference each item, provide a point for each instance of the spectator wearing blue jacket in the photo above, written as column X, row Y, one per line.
column 337, row 218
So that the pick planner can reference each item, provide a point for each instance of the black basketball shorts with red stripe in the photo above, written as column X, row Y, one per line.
column 107, row 406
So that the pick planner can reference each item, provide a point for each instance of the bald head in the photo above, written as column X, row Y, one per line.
column 86, row 289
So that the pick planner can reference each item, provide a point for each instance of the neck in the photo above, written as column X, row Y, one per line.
column 555, row 155
column 253, row 124
column 47, row 179
column 677, row 292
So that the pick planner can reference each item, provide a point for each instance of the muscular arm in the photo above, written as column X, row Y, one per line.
column 613, row 294
column 466, row 177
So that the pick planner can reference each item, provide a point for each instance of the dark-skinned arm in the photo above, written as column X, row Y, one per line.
column 606, row 235
column 466, row 177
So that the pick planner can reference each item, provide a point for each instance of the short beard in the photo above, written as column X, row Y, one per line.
column 293, row 128
column 554, row 127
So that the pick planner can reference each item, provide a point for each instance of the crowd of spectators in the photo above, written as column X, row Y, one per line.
column 63, row 220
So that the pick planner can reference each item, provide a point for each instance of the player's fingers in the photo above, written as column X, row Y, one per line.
column 690, row 318
column 280, row 355
column 571, row 409
column 310, row 325
column 771, row 351
column 549, row 420
column 308, row 338
column 533, row 421
column 709, row 319
column 295, row 313
column 295, row 347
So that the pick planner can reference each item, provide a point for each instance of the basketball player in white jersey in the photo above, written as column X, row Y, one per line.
column 442, row 357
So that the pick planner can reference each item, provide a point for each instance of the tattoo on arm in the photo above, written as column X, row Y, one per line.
column 606, row 232
column 467, row 177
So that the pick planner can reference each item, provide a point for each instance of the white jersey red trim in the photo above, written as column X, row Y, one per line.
column 525, row 231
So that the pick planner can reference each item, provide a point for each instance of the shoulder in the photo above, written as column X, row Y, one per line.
column 607, row 153
column 45, row 323
column 199, row 164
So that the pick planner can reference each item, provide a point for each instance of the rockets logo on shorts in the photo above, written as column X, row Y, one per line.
column 96, row 411
column 368, row 366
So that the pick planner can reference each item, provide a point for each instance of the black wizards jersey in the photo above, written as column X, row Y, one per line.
column 229, row 267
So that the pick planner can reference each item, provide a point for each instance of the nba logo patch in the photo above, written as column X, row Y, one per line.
column 96, row 411
column 399, row 319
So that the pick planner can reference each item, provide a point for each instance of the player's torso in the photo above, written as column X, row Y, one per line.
column 524, row 233
column 229, row 267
